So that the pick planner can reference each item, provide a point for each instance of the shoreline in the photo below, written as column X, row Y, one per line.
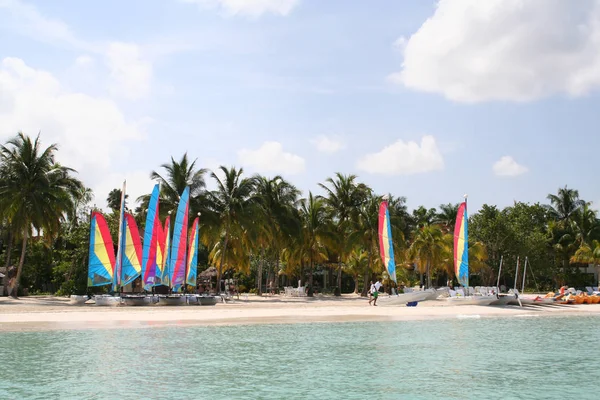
column 53, row 313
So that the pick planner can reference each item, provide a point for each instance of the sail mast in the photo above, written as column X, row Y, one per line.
column 120, row 243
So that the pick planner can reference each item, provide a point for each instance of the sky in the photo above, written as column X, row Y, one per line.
column 429, row 100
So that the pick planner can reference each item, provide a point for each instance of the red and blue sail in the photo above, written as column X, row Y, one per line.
column 132, row 251
column 192, row 267
column 461, row 246
column 101, row 263
column 178, row 249
column 151, row 238
column 386, row 246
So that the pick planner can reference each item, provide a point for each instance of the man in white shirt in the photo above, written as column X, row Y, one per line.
column 374, row 292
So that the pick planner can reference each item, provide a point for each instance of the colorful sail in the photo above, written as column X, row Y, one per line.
column 119, row 261
column 151, row 233
column 461, row 246
column 192, row 265
column 178, row 253
column 162, row 255
column 386, row 246
column 101, row 263
column 132, row 251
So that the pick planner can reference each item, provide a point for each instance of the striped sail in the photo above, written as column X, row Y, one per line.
column 386, row 246
column 119, row 261
column 178, row 250
column 151, row 233
column 192, row 267
column 162, row 255
column 101, row 263
column 461, row 246
column 132, row 251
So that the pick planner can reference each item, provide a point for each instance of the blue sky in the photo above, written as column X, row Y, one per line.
column 425, row 99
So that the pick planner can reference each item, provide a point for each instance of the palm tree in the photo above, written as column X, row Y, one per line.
column 447, row 216
column 585, row 224
column 366, row 233
column 316, row 231
column 179, row 175
column 564, row 205
column 357, row 264
column 588, row 253
column 276, row 199
column 423, row 216
column 343, row 199
column 114, row 199
column 36, row 191
column 232, row 205
column 429, row 249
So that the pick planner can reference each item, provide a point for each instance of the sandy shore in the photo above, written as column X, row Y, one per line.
column 39, row 313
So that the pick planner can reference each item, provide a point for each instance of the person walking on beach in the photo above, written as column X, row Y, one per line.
column 374, row 293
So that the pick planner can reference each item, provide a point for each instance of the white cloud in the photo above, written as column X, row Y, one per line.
column 84, row 61
column 27, row 20
column 92, row 132
column 327, row 144
column 404, row 158
column 510, row 50
column 251, row 8
column 507, row 166
column 130, row 73
column 270, row 157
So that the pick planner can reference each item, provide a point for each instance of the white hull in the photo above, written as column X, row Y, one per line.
column 78, row 300
column 137, row 301
column 526, row 301
column 107, row 301
column 503, row 300
column 202, row 300
column 471, row 300
column 402, row 298
column 172, row 300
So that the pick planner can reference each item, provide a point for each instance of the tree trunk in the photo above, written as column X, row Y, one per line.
column 310, row 273
column 428, row 275
column 355, row 284
column 220, row 269
column 15, row 287
column 366, row 286
column 7, row 263
column 260, row 270
column 339, row 277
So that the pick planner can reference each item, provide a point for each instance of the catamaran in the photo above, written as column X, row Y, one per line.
column 101, row 258
column 177, row 254
column 386, row 250
column 461, row 263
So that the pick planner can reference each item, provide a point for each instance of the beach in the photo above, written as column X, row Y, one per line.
column 40, row 313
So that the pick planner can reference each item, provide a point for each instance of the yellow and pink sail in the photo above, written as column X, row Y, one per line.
column 386, row 245
column 101, row 263
column 192, row 266
column 178, row 251
column 461, row 246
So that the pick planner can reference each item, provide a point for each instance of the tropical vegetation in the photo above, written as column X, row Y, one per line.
column 262, row 231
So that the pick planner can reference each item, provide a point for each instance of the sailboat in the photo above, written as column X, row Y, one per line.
column 386, row 251
column 177, row 253
column 101, row 259
column 149, row 253
column 461, row 262
column 130, row 261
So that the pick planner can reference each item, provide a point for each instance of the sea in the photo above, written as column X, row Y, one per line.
column 457, row 358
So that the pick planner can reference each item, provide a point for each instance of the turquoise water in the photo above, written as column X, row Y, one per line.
column 522, row 358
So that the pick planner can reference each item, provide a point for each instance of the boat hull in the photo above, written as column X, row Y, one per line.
column 402, row 298
column 471, row 300
column 137, row 301
column 172, row 300
column 78, row 300
column 202, row 300
column 107, row 301
column 503, row 300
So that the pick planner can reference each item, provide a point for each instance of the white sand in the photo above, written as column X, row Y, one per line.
column 38, row 313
